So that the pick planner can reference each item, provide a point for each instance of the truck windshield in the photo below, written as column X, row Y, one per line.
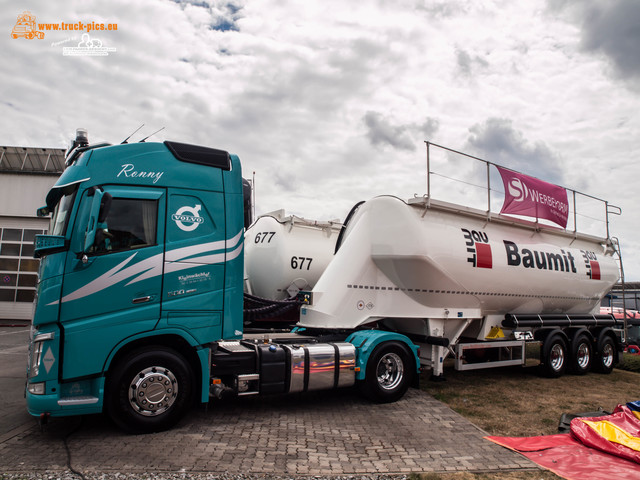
column 60, row 217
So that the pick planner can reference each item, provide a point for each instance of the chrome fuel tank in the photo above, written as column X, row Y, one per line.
column 321, row 366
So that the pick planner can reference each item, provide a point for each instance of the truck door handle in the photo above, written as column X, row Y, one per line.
column 141, row 299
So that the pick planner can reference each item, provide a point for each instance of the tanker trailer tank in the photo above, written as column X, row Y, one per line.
column 286, row 254
column 440, row 271
column 401, row 260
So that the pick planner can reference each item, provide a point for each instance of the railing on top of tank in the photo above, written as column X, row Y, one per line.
column 608, row 208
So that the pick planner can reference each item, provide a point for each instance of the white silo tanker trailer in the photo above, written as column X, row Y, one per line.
column 284, row 254
column 413, row 283
column 478, row 287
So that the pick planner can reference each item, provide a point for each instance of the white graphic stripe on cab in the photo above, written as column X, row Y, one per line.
column 170, row 267
column 152, row 266
column 184, row 253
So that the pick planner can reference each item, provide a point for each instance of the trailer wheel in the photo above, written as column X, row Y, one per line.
column 388, row 374
column 581, row 354
column 605, row 360
column 554, row 356
column 149, row 390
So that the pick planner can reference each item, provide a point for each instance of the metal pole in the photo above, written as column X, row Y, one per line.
column 575, row 215
column 488, row 187
column 253, row 184
column 428, row 173
column 606, row 206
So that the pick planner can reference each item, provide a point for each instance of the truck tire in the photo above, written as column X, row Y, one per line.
column 554, row 356
column 388, row 374
column 149, row 390
column 606, row 354
column 581, row 354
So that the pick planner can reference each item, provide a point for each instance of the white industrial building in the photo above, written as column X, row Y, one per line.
column 26, row 175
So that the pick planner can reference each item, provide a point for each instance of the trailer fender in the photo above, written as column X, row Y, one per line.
column 573, row 332
column 598, row 333
column 366, row 341
column 544, row 333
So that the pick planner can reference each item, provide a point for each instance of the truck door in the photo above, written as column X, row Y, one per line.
column 113, row 274
column 194, row 271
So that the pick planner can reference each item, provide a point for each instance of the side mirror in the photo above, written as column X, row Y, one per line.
column 99, row 211
column 43, row 211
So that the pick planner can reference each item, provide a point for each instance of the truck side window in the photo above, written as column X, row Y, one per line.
column 131, row 223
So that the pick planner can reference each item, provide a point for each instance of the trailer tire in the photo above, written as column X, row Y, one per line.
column 554, row 356
column 606, row 354
column 388, row 374
column 164, row 382
column 581, row 354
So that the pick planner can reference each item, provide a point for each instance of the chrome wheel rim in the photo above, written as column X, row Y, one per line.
column 390, row 371
column 583, row 356
column 607, row 355
column 557, row 357
column 153, row 391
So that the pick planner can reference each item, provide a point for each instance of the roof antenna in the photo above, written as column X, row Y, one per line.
column 142, row 141
column 125, row 140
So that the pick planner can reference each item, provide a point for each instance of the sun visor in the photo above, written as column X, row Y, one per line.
column 69, row 179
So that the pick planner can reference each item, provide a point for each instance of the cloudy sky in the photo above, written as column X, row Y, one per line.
column 329, row 102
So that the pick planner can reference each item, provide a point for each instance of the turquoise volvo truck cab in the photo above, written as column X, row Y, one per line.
column 139, row 305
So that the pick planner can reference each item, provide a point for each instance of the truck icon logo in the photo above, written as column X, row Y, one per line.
column 26, row 27
column 190, row 216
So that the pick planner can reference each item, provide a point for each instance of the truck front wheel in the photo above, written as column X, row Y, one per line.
column 149, row 390
column 389, row 373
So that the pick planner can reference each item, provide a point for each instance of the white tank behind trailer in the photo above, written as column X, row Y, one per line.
column 286, row 254
column 441, row 273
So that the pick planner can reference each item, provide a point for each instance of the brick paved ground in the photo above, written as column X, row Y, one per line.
column 327, row 433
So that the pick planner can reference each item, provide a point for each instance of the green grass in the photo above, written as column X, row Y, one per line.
column 630, row 362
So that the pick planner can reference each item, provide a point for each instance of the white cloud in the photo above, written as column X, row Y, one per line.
column 330, row 102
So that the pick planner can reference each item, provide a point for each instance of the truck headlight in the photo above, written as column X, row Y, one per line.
column 36, row 355
column 36, row 352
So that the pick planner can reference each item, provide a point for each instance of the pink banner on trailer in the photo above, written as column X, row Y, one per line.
column 528, row 196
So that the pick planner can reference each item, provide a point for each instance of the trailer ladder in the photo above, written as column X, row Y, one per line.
column 618, row 253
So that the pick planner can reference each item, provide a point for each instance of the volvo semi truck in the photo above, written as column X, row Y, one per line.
column 139, row 307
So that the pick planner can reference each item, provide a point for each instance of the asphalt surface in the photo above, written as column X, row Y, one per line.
column 323, row 434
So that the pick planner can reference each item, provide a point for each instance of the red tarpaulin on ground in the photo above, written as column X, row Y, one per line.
column 598, row 448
